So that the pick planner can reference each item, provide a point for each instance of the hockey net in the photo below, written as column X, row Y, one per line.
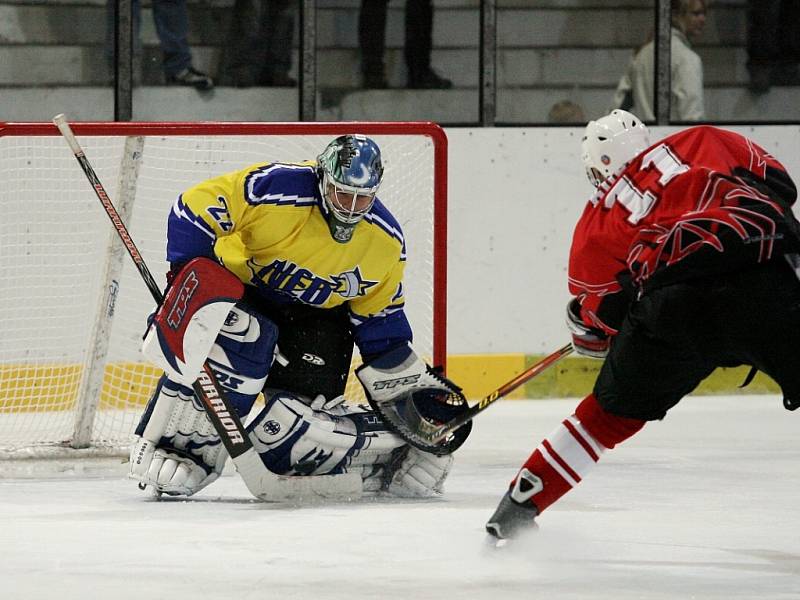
column 74, row 306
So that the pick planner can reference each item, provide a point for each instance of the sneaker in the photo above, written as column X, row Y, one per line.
column 428, row 80
column 192, row 77
column 511, row 519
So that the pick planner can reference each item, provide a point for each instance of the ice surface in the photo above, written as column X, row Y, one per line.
column 702, row 505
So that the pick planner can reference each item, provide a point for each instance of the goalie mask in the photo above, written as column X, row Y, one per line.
column 350, row 171
column 612, row 142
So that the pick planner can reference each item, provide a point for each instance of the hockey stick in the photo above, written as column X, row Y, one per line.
column 262, row 483
column 505, row 389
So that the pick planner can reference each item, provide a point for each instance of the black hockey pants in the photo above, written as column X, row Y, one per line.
column 675, row 336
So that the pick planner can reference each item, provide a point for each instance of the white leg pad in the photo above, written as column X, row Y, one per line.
column 177, row 450
column 293, row 439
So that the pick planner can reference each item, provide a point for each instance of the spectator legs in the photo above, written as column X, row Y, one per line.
column 172, row 25
column 372, row 42
column 773, row 44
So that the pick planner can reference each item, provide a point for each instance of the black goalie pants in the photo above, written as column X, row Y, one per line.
column 675, row 336
column 317, row 343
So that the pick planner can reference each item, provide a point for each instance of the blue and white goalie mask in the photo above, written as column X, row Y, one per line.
column 350, row 174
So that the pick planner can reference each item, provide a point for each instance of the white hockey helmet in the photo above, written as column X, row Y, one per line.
column 611, row 142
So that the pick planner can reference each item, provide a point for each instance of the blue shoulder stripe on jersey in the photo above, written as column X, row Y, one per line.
column 282, row 184
column 188, row 235
column 182, row 212
column 379, row 215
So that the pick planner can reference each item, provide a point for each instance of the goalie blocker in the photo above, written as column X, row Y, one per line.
column 186, row 324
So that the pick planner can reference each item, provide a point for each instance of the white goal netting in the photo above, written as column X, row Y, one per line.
column 73, row 306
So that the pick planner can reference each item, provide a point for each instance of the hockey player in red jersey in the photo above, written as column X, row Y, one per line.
column 685, row 259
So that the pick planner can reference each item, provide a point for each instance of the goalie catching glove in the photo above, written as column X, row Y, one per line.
column 414, row 399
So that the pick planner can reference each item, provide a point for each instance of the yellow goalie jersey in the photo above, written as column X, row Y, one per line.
column 266, row 224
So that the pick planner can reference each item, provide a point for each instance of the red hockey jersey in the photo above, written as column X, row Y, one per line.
column 702, row 188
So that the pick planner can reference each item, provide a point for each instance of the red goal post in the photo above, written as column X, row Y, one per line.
column 73, row 311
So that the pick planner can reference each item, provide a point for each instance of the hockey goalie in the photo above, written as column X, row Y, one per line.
column 278, row 270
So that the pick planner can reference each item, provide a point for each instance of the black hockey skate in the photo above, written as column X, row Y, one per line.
column 516, row 512
column 509, row 520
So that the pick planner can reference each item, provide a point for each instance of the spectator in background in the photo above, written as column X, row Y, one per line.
column 773, row 44
column 172, row 26
column 259, row 49
column 636, row 89
column 566, row 111
column 418, row 45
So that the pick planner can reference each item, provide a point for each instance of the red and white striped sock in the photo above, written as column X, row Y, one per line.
column 567, row 455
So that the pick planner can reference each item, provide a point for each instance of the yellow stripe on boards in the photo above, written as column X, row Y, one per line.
column 480, row 374
column 127, row 385
column 573, row 377
column 54, row 387
column 26, row 388
column 726, row 381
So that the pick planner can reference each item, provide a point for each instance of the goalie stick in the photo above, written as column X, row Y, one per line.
column 262, row 483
